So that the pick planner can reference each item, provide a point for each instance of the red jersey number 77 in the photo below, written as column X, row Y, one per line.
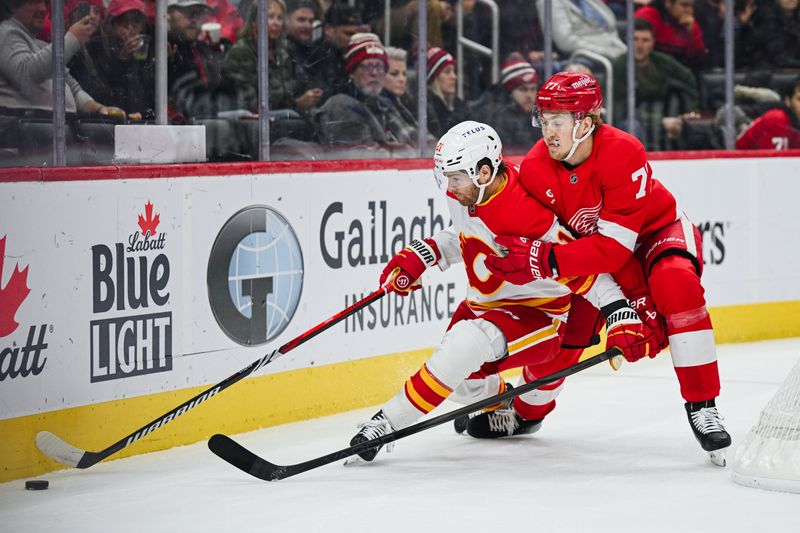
column 642, row 175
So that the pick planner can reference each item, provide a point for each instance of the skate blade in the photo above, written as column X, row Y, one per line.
column 718, row 457
column 353, row 460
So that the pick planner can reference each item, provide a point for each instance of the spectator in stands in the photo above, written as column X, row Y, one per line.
column 396, row 82
column 363, row 117
column 325, row 63
column 677, row 32
column 26, row 65
column 511, row 118
column 448, row 108
column 117, row 66
column 195, row 67
column 299, row 28
column 664, row 87
column 584, row 24
column 710, row 15
column 772, row 41
column 241, row 63
column 777, row 129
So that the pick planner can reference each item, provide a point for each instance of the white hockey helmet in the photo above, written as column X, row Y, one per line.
column 462, row 148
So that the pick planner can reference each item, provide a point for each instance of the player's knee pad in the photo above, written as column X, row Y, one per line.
column 678, row 293
column 464, row 348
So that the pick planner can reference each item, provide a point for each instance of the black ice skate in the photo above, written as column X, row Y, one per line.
column 460, row 423
column 503, row 422
column 708, row 428
column 375, row 427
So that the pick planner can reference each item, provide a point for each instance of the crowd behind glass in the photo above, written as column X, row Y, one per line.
column 337, row 91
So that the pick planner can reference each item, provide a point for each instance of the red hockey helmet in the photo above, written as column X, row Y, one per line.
column 568, row 91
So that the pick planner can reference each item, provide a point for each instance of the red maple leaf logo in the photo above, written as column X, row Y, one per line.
column 12, row 295
column 148, row 222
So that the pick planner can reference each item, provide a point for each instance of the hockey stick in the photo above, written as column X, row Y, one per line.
column 234, row 453
column 63, row 452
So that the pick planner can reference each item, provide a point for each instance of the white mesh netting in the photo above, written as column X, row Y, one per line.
column 769, row 457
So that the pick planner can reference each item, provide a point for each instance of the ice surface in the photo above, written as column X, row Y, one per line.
column 617, row 455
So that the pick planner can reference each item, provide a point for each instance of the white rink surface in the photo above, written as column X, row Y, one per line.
column 617, row 455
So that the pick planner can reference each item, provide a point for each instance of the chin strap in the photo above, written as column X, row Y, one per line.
column 482, row 188
column 576, row 141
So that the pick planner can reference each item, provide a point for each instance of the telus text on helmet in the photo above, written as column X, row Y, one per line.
column 472, row 131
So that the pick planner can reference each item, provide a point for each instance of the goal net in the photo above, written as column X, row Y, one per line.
column 769, row 457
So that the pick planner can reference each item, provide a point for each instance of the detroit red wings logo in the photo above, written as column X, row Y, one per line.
column 584, row 221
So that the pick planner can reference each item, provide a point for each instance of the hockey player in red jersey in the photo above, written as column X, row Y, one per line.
column 597, row 180
column 498, row 325
column 777, row 129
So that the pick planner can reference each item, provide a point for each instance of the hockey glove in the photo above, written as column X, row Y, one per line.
column 642, row 303
column 404, row 269
column 624, row 330
column 526, row 260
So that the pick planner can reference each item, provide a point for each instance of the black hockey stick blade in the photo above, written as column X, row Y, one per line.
column 59, row 450
column 234, row 453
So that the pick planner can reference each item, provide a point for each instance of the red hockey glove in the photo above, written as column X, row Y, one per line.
column 625, row 331
column 642, row 303
column 404, row 269
column 526, row 260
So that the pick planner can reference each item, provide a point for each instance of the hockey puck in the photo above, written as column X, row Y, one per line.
column 37, row 484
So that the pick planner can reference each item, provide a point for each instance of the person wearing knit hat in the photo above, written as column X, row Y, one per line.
column 438, row 61
column 362, row 116
column 521, row 81
column 448, row 108
column 366, row 62
column 364, row 46
column 517, row 72
column 511, row 116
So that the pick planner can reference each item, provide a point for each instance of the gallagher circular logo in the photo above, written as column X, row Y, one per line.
column 255, row 275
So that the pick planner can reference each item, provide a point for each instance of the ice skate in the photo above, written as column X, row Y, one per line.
column 708, row 428
column 375, row 427
column 460, row 423
column 503, row 422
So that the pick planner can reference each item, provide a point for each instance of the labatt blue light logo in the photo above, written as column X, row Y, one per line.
column 131, row 278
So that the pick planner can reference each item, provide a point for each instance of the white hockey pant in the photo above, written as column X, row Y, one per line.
column 463, row 350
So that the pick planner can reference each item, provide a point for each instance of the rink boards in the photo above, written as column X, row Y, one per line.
column 125, row 292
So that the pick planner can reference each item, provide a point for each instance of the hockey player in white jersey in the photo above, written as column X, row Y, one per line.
column 498, row 325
